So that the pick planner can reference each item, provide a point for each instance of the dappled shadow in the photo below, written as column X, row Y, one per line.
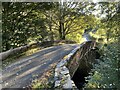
column 33, row 68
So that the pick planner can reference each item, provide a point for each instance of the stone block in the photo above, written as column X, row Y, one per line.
column 57, row 83
column 64, row 68
column 68, row 84
column 64, row 72
column 60, row 64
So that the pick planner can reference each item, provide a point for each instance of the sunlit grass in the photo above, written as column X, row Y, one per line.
column 31, row 51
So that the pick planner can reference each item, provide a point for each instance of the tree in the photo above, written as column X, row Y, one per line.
column 66, row 17
column 21, row 21
column 109, row 10
column 106, row 72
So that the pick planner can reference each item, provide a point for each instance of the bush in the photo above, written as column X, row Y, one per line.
column 105, row 73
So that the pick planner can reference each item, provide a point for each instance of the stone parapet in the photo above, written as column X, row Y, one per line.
column 66, row 68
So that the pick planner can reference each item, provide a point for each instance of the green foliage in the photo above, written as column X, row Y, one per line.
column 24, row 22
column 21, row 21
column 106, row 71
column 75, row 37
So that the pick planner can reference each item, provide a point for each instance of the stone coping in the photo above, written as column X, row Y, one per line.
column 62, row 76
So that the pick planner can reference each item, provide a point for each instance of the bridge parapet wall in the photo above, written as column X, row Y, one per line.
column 66, row 68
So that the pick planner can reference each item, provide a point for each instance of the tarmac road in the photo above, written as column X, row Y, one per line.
column 21, row 73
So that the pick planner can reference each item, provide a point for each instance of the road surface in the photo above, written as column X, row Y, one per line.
column 21, row 73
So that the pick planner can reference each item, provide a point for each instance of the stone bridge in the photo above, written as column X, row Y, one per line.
column 70, row 72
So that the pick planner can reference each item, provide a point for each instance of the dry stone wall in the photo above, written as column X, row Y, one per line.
column 66, row 68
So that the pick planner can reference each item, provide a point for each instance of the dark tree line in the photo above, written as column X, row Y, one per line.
column 23, row 22
column 20, row 21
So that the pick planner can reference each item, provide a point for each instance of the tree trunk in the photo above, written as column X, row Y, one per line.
column 61, row 30
column 51, row 35
column 51, row 32
column 63, row 37
column 50, row 27
column 61, row 23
